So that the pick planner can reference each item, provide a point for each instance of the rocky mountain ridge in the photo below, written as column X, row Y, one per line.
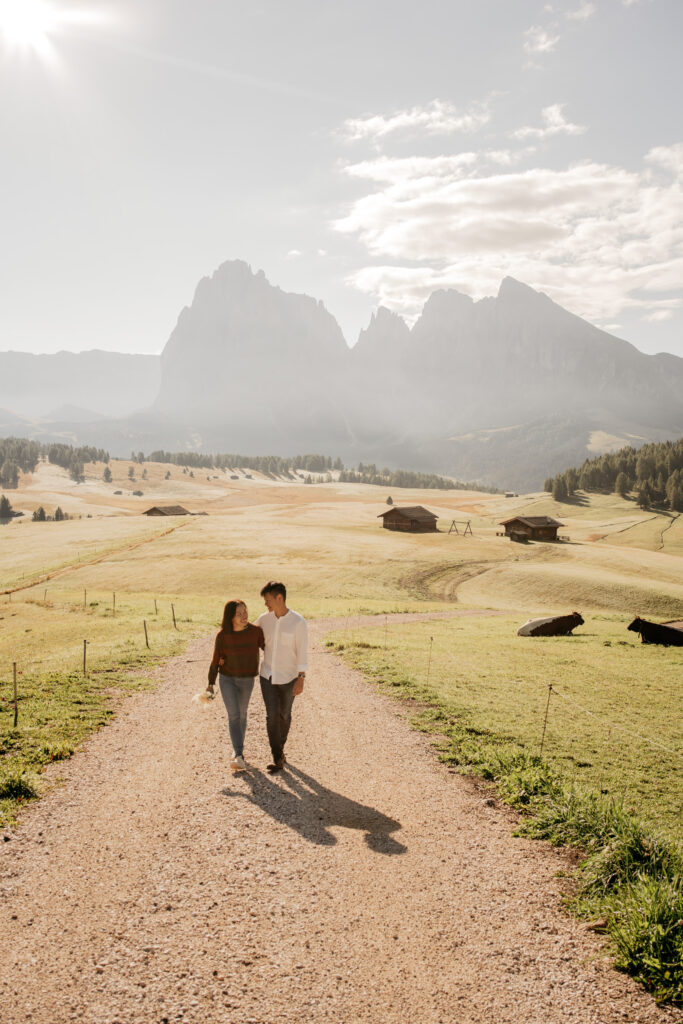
column 505, row 390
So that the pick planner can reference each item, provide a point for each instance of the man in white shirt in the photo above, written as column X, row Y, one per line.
column 283, row 668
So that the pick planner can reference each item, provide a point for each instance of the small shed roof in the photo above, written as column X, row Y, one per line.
column 167, row 510
column 533, row 521
column 416, row 512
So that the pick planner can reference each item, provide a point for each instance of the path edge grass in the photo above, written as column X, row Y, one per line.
column 629, row 882
column 105, row 692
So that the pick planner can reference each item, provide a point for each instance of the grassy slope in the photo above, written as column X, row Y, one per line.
column 631, row 707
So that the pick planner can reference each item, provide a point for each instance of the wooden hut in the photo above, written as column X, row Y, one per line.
column 531, row 528
column 412, row 519
column 167, row 510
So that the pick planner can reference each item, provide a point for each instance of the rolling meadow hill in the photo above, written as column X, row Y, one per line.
column 507, row 391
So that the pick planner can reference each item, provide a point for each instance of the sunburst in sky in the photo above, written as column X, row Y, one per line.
column 28, row 24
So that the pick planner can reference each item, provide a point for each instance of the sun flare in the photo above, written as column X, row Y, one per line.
column 27, row 24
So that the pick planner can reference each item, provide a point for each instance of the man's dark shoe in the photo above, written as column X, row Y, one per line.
column 277, row 765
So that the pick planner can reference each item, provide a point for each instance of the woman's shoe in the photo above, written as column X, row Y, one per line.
column 238, row 764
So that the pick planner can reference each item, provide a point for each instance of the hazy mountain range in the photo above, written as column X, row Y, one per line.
column 506, row 390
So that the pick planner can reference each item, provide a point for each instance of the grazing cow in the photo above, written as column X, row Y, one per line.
column 657, row 632
column 553, row 625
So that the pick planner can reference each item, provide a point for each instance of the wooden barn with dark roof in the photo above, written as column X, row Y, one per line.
column 531, row 528
column 411, row 519
column 167, row 510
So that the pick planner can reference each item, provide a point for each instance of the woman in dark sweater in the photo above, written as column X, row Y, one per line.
column 236, row 663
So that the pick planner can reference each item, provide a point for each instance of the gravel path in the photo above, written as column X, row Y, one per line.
column 364, row 884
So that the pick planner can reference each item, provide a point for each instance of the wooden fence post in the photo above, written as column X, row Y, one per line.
column 85, row 646
column 545, row 720
column 16, row 699
column 175, row 626
column 144, row 623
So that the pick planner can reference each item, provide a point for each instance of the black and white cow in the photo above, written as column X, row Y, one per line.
column 553, row 625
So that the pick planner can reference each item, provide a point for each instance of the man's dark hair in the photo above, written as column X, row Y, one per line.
column 275, row 588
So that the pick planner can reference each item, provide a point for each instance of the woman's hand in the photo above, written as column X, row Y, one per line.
column 299, row 684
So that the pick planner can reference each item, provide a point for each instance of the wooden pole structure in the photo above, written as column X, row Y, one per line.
column 144, row 623
column 45, row 596
column 175, row 625
column 85, row 597
column 113, row 606
column 16, row 699
column 429, row 663
column 545, row 720
column 385, row 632
column 156, row 610
column 85, row 647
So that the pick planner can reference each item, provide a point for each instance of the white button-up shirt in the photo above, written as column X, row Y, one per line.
column 286, row 646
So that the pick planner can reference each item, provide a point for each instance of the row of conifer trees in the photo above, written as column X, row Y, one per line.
column 653, row 474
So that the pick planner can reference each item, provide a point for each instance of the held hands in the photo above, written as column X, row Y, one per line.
column 299, row 684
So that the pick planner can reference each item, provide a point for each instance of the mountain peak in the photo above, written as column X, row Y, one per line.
column 511, row 288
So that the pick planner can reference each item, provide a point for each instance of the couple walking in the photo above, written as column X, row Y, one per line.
column 282, row 636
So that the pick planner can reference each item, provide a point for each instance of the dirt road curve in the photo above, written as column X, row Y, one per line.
column 364, row 884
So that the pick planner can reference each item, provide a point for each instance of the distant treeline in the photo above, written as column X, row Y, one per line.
column 654, row 473
column 275, row 465
column 18, row 454
column 271, row 465
column 405, row 478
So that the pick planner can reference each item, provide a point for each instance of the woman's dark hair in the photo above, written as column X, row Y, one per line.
column 229, row 614
column 272, row 587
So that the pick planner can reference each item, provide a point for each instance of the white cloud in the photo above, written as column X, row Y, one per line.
column 597, row 238
column 436, row 118
column 539, row 40
column 583, row 12
column 659, row 316
column 554, row 124
column 293, row 254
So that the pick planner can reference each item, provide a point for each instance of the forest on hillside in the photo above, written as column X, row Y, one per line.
column 653, row 474
column 18, row 454
column 22, row 455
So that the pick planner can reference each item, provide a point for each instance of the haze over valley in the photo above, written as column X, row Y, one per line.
column 506, row 390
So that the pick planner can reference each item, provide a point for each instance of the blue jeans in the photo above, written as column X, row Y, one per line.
column 236, row 693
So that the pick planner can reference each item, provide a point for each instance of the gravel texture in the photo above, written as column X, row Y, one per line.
column 365, row 883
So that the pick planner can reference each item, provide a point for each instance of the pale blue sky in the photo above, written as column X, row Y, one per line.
column 361, row 152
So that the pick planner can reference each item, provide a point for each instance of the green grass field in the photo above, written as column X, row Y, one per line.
column 615, row 720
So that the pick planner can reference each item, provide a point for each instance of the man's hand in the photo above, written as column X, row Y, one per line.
column 299, row 684
column 209, row 689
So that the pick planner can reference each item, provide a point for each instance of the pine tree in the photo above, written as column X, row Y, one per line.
column 559, row 488
column 9, row 474
column 106, row 476
column 644, row 497
column 5, row 508
column 621, row 485
column 39, row 515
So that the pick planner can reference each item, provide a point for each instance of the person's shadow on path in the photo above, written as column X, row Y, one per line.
column 311, row 809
